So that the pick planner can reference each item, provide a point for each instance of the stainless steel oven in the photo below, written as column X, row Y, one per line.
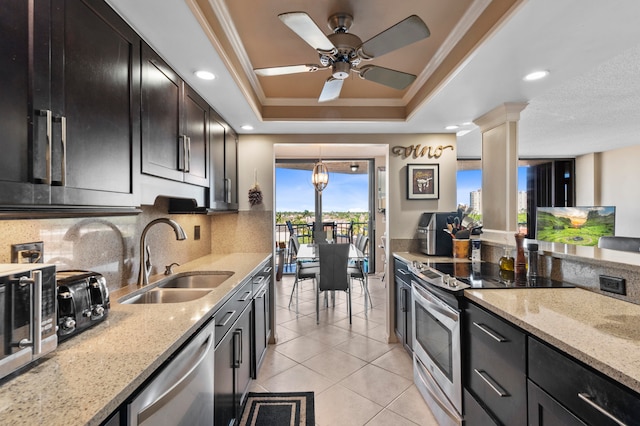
column 436, row 343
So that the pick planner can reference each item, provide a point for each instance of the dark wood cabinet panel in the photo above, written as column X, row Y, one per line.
column 161, row 109
column 403, row 305
column 495, row 365
column 17, row 119
column 95, row 91
column 196, row 127
column 175, row 120
column 546, row 411
column 70, row 84
column 223, row 193
column 589, row 395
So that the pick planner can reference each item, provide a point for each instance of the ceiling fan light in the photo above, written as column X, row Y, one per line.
column 320, row 176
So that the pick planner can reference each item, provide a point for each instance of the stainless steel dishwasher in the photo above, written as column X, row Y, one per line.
column 182, row 393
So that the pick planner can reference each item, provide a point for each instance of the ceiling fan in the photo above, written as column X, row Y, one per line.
column 342, row 52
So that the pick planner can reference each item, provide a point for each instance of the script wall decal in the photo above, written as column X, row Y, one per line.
column 416, row 151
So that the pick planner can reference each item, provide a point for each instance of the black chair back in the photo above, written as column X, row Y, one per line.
column 334, row 259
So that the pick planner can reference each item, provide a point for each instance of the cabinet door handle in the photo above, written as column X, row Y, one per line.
column 495, row 336
column 261, row 293
column 403, row 299
column 227, row 190
column 246, row 296
column 237, row 348
column 492, row 383
column 403, row 272
column 47, row 156
column 230, row 315
column 63, row 150
column 587, row 398
column 267, row 269
column 187, row 167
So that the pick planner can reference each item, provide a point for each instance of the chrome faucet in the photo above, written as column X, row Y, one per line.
column 145, row 253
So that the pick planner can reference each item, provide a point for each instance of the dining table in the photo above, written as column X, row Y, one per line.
column 309, row 252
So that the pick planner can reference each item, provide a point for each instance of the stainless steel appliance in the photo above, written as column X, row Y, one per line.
column 436, row 343
column 432, row 237
column 182, row 391
column 83, row 301
column 437, row 289
column 28, row 313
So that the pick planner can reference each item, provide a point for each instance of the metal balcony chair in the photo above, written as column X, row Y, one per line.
column 333, row 275
column 306, row 270
column 383, row 246
column 357, row 271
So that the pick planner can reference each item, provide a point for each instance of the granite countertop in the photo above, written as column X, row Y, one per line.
column 88, row 376
column 598, row 330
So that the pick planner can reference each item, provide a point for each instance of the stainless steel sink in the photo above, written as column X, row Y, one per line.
column 159, row 295
column 196, row 280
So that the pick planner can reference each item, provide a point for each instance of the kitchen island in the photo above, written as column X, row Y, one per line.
column 90, row 375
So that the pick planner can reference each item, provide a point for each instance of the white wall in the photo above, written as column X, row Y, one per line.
column 256, row 152
column 618, row 181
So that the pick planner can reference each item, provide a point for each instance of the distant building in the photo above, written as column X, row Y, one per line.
column 522, row 201
column 475, row 201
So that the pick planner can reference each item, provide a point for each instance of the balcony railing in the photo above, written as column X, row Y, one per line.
column 338, row 232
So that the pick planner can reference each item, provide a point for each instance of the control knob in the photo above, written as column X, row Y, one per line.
column 97, row 311
column 68, row 324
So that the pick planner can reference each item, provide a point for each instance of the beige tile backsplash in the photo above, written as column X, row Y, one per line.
column 110, row 244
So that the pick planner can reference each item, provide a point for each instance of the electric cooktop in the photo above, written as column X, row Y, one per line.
column 480, row 275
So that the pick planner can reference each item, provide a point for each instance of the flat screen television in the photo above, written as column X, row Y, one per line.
column 575, row 225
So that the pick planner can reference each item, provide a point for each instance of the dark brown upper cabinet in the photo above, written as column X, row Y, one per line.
column 223, row 194
column 69, row 75
column 175, row 124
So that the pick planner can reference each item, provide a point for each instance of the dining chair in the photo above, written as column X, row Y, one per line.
column 305, row 270
column 357, row 271
column 333, row 275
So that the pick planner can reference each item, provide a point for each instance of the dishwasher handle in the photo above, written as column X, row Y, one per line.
column 149, row 410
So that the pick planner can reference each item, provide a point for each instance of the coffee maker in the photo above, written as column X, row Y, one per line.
column 433, row 238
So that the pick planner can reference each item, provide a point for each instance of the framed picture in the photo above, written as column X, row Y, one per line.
column 423, row 181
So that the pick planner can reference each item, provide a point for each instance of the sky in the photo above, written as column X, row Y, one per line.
column 345, row 192
column 471, row 180
column 348, row 192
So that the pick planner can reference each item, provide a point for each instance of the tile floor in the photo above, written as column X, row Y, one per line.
column 358, row 378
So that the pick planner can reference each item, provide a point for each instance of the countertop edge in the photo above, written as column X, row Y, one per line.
column 93, row 373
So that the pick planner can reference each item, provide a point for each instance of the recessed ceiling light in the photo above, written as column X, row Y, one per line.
column 247, row 127
column 451, row 127
column 467, row 123
column 536, row 75
column 462, row 132
column 205, row 75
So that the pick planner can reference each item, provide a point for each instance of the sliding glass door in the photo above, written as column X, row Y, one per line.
column 340, row 213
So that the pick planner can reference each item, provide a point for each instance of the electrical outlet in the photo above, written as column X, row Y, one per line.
column 27, row 252
column 196, row 232
column 613, row 284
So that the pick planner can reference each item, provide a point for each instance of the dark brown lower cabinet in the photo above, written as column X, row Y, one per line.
column 546, row 411
column 589, row 395
column 495, row 365
column 232, row 356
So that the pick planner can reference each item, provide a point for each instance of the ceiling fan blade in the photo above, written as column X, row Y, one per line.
column 288, row 69
column 403, row 33
column 331, row 89
column 307, row 30
column 388, row 77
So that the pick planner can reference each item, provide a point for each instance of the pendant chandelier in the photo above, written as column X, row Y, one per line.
column 320, row 176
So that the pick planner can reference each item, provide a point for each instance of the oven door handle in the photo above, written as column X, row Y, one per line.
column 436, row 304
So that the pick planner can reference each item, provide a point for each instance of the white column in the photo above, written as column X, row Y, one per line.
column 499, row 129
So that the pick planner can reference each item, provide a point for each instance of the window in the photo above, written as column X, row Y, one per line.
column 541, row 183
